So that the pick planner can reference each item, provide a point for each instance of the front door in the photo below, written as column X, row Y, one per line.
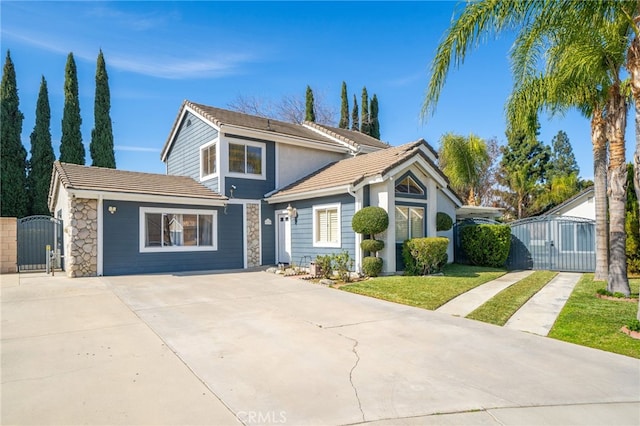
column 284, row 238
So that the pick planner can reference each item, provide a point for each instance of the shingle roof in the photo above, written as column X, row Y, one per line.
column 73, row 176
column 348, row 136
column 220, row 117
column 352, row 171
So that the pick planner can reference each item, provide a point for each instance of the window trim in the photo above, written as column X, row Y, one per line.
column 170, row 249
column 574, row 227
column 217, row 165
column 261, row 145
column 316, row 237
column 409, row 229
column 410, row 175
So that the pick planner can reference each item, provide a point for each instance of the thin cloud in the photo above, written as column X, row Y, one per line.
column 408, row 79
column 132, row 21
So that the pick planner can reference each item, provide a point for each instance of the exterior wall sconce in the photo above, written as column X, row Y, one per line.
column 112, row 209
column 292, row 212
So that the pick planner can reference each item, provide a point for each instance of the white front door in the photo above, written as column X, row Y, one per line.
column 284, row 238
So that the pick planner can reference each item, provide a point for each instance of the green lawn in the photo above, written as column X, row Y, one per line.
column 503, row 305
column 426, row 292
column 589, row 321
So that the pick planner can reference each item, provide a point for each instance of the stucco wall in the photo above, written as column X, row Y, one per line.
column 8, row 245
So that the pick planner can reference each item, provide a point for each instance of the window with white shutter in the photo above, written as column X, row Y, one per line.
column 326, row 225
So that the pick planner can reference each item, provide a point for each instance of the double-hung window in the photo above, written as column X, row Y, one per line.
column 326, row 225
column 208, row 167
column 247, row 159
column 177, row 230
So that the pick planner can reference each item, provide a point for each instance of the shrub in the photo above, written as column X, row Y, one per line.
column 370, row 220
column 634, row 325
column 325, row 262
column 604, row 292
column 429, row 254
column 487, row 245
column 410, row 267
column 343, row 264
column 443, row 222
column 372, row 266
column 372, row 246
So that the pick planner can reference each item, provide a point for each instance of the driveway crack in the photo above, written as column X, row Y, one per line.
column 355, row 389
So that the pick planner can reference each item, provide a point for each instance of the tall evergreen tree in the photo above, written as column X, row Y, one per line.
column 355, row 116
column 344, row 108
column 309, row 113
column 42, row 156
column 562, row 161
column 365, row 118
column 71, row 147
column 13, row 156
column 375, row 124
column 101, row 146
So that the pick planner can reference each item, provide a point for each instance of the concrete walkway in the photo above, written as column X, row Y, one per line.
column 540, row 312
column 468, row 302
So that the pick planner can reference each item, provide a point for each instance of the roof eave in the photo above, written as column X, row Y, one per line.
column 142, row 197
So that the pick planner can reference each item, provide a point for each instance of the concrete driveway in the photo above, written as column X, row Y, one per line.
column 256, row 348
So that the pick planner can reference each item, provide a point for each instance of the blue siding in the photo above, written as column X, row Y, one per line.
column 254, row 189
column 121, row 253
column 302, row 229
column 268, row 234
column 184, row 157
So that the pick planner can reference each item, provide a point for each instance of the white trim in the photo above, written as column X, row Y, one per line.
column 100, row 242
column 142, row 228
column 287, row 242
column 358, row 201
column 354, row 149
column 574, row 226
column 148, row 198
column 174, row 131
column 263, row 166
column 215, row 174
column 315, row 209
column 317, row 193
column 245, row 238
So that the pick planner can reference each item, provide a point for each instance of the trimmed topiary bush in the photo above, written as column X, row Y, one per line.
column 372, row 246
column 370, row 220
column 486, row 245
column 372, row 266
column 428, row 255
column 443, row 222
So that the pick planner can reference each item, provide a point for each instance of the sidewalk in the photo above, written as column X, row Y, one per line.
column 540, row 312
column 468, row 302
column 536, row 316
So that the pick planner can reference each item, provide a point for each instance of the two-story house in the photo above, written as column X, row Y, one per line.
column 243, row 191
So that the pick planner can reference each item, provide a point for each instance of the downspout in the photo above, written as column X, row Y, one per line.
column 358, row 237
column 100, row 243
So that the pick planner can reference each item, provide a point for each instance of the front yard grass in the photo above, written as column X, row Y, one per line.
column 589, row 321
column 503, row 305
column 428, row 292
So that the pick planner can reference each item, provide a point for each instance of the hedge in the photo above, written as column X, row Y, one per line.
column 372, row 266
column 370, row 220
column 443, row 222
column 424, row 256
column 487, row 245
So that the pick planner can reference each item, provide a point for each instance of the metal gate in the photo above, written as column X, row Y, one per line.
column 554, row 243
column 35, row 233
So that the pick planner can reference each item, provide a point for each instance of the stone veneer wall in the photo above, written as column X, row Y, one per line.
column 8, row 245
column 253, row 235
column 82, row 234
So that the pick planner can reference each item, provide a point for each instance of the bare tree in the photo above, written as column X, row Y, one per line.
column 289, row 108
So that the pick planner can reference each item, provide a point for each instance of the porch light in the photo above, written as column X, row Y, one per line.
column 291, row 211
column 112, row 209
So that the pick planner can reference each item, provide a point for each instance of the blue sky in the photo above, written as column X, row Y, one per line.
column 160, row 53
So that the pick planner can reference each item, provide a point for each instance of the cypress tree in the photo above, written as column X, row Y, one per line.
column 344, row 108
column 562, row 161
column 375, row 124
column 71, row 147
column 309, row 113
column 365, row 120
column 101, row 146
column 355, row 116
column 13, row 158
column 42, row 156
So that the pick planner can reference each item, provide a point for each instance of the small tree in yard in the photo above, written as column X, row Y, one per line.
column 370, row 221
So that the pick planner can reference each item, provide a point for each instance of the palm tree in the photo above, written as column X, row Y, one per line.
column 542, row 26
column 463, row 160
